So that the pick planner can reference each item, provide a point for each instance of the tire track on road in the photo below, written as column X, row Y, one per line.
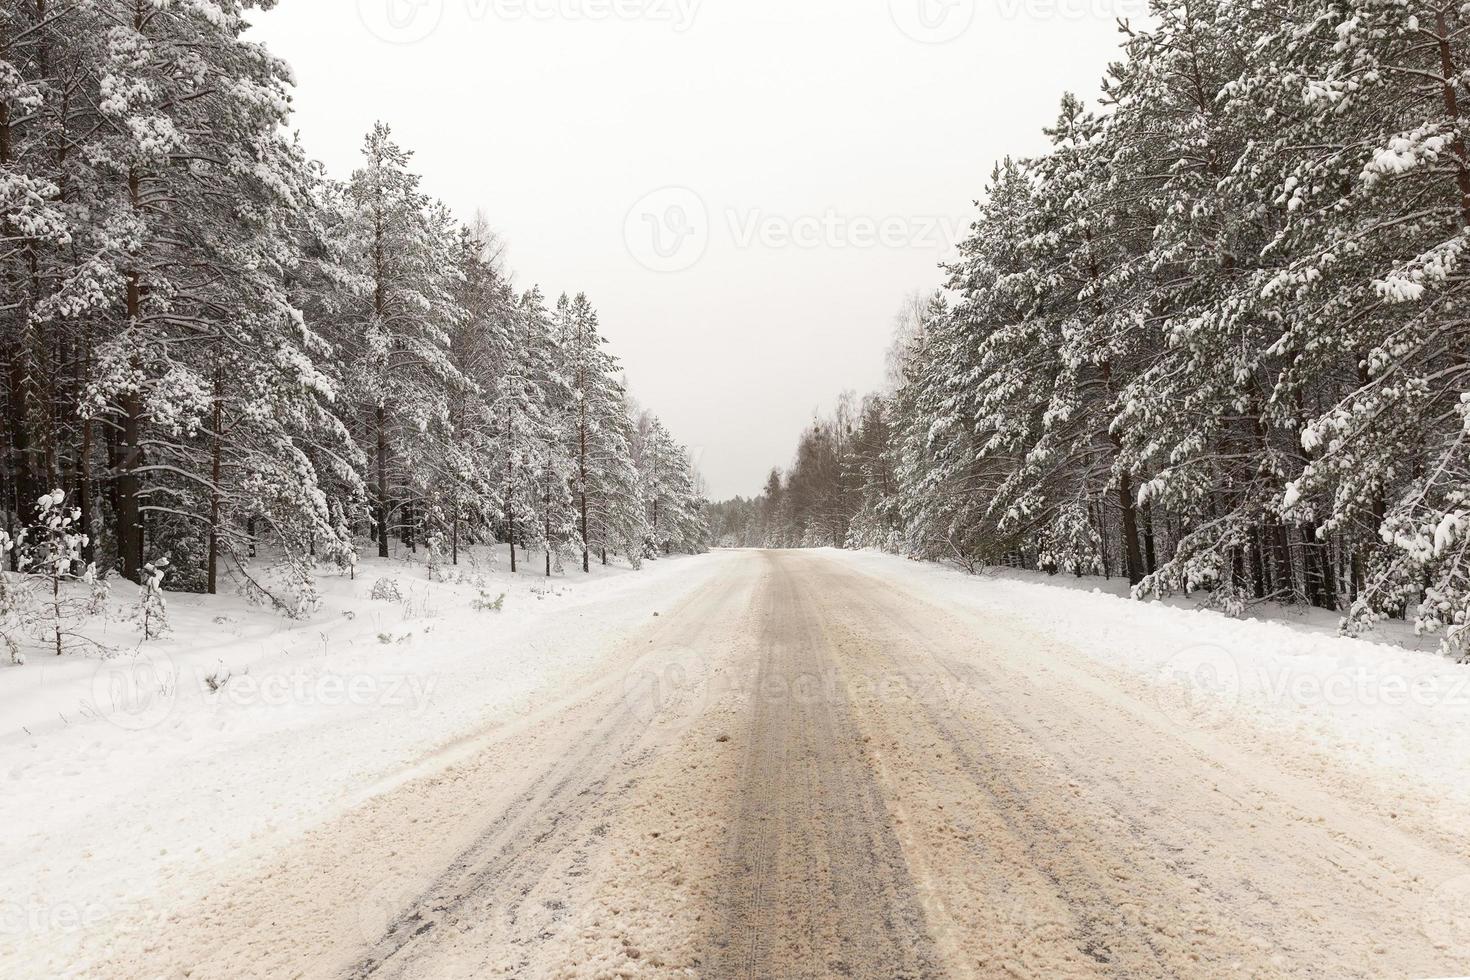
column 473, row 908
column 817, row 882
column 1171, row 855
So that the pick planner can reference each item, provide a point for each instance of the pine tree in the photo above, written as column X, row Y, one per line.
column 670, row 491
column 399, row 325
column 1377, row 213
column 198, row 384
column 599, row 441
column 473, row 494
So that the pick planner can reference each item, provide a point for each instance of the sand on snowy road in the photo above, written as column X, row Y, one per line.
column 805, row 770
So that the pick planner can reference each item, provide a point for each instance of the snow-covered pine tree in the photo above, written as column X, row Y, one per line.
column 1195, row 419
column 545, row 364
column 1081, row 340
column 528, row 402
column 873, row 471
column 620, row 522
column 991, row 381
column 398, row 326
column 203, row 373
column 599, row 438
column 1374, row 186
column 935, row 418
column 40, row 244
column 474, row 495
column 64, row 588
column 670, row 491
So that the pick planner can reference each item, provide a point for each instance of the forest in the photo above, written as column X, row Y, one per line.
column 225, row 368
column 1213, row 339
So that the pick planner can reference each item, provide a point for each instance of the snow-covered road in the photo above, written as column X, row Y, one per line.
column 820, row 764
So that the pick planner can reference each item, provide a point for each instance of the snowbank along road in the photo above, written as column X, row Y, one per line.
column 806, row 768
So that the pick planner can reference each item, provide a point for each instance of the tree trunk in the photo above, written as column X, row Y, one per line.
column 586, row 548
column 216, row 450
column 1130, row 529
column 510, row 513
column 1285, row 575
column 130, row 452
column 582, row 460
column 84, row 460
column 130, row 515
column 1315, row 569
column 1258, row 565
column 1149, row 556
column 56, row 608
column 380, row 416
column 1131, row 552
column 84, row 494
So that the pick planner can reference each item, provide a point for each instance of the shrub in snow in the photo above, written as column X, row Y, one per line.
column 55, row 591
column 386, row 590
column 15, row 606
column 218, row 679
column 152, row 613
column 415, row 606
column 1071, row 544
column 483, row 602
column 433, row 562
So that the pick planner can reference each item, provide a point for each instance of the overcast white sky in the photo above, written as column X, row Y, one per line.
column 746, row 189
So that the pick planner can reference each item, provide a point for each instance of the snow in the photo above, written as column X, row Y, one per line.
column 1450, row 529
column 1394, row 708
column 133, row 786
column 128, row 782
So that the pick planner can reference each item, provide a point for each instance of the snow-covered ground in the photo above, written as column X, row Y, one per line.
column 1391, row 704
column 126, row 782
column 134, row 786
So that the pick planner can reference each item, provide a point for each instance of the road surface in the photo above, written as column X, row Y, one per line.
column 802, row 770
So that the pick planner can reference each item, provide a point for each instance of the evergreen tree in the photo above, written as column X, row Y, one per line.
column 398, row 323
